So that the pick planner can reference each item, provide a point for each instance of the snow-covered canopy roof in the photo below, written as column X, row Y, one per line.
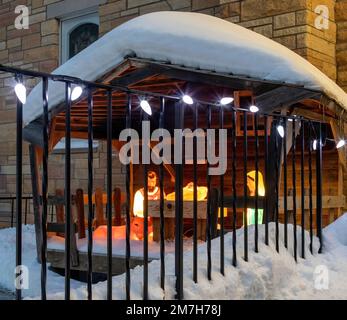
column 192, row 40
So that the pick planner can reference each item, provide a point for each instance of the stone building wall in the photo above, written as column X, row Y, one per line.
column 291, row 23
column 341, row 45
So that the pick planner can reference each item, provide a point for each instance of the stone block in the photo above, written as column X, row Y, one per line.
column 112, row 7
column 49, row 27
column 137, row 3
column 264, row 30
column 154, row 7
column 203, row 4
column 284, row 20
column 254, row 9
column 31, row 41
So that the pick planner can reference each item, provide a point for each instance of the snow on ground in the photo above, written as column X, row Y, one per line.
column 118, row 244
column 267, row 275
column 55, row 282
column 192, row 40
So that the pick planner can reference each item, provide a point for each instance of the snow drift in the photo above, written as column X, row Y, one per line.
column 267, row 275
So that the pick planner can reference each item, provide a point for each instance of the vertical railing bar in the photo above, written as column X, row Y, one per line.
column 294, row 186
column 52, row 213
column 44, row 188
column 19, row 186
column 319, row 187
column 221, row 204
column 162, row 217
column 302, row 189
column 256, row 249
column 12, row 211
column 245, row 188
column 234, row 143
column 179, row 114
column 285, row 186
column 90, row 194
column 277, row 159
column 208, row 212
column 145, row 225
column 26, row 211
column 128, row 222
column 109, row 194
column 266, row 147
column 67, row 189
column 195, row 196
column 310, row 184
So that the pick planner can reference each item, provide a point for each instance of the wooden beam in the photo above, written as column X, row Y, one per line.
column 311, row 115
column 275, row 98
column 327, row 202
column 134, row 77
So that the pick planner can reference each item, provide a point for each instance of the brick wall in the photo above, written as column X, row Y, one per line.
column 288, row 22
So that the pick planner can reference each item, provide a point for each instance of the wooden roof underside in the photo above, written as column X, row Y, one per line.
column 167, row 79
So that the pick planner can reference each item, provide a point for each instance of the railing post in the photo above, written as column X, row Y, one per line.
column 19, row 194
column 179, row 208
column 128, row 222
column 90, row 194
column 245, row 188
column 161, row 186
column 319, row 187
column 234, row 144
column 67, row 188
column 109, row 195
column 44, row 187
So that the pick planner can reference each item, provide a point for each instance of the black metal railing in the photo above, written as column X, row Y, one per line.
column 229, row 195
column 8, row 210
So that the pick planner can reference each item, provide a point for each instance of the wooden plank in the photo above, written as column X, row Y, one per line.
column 327, row 202
column 283, row 95
column 169, row 206
column 169, row 209
column 210, row 77
column 308, row 114
column 134, row 77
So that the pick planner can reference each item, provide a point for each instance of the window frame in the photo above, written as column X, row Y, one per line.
column 67, row 25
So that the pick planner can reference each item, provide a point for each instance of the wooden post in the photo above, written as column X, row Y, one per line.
column 80, row 214
column 99, row 208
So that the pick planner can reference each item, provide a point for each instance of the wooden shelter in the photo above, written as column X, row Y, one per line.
column 159, row 79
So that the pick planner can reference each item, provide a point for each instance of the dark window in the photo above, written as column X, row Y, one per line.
column 81, row 37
